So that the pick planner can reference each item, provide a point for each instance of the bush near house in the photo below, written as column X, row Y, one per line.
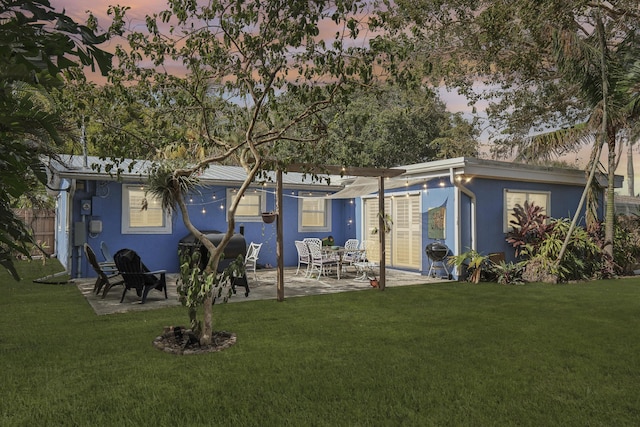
column 538, row 240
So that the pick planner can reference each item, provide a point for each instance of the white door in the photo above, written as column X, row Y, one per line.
column 406, row 233
column 404, row 242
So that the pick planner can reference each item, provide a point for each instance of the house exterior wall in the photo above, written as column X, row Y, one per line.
column 160, row 251
column 489, row 193
column 436, row 196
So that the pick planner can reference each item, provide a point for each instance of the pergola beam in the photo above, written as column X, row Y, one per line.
column 344, row 170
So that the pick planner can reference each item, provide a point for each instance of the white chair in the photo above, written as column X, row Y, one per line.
column 251, row 260
column 319, row 261
column 352, row 252
column 308, row 240
column 303, row 256
column 370, row 261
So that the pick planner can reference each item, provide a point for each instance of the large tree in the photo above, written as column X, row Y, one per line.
column 397, row 126
column 239, row 64
column 543, row 65
column 36, row 45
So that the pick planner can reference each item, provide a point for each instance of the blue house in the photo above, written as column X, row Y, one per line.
column 464, row 203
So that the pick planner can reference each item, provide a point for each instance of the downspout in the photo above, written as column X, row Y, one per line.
column 472, row 197
column 69, row 226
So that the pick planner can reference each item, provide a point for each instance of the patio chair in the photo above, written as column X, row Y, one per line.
column 370, row 261
column 303, row 256
column 320, row 261
column 137, row 276
column 251, row 260
column 308, row 240
column 108, row 277
column 108, row 258
column 352, row 252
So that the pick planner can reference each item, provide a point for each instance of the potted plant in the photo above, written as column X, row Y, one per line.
column 269, row 217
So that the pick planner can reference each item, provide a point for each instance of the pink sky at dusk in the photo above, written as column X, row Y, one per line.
column 77, row 9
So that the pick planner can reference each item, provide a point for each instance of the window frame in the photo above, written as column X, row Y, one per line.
column 262, row 205
column 506, row 209
column 327, row 212
column 126, row 228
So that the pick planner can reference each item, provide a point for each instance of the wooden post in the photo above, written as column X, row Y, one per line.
column 381, row 234
column 279, row 239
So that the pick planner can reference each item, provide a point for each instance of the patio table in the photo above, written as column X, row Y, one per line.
column 335, row 251
column 338, row 251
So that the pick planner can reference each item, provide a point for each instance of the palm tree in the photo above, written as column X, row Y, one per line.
column 596, row 71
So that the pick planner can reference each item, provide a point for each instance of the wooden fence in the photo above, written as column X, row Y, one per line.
column 42, row 222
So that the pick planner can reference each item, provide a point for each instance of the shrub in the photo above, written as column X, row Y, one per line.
column 508, row 273
column 529, row 228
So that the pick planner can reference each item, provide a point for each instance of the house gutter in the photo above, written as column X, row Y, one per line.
column 472, row 196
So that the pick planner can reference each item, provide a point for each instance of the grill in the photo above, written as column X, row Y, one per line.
column 236, row 246
column 437, row 253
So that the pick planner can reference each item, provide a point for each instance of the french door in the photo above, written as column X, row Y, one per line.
column 404, row 241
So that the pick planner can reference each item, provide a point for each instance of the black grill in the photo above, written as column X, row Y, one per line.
column 236, row 246
column 437, row 253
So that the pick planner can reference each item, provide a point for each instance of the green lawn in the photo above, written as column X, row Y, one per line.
column 438, row 354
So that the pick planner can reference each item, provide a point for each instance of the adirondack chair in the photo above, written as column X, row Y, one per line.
column 137, row 276
column 108, row 275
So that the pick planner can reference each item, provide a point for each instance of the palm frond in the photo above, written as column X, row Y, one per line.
column 551, row 144
column 169, row 187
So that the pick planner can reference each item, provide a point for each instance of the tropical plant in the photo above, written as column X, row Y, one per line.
column 583, row 259
column 529, row 228
column 509, row 273
column 38, row 45
column 473, row 263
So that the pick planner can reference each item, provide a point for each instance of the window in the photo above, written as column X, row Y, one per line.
column 251, row 205
column 139, row 220
column 314, row 212
column 514, row 197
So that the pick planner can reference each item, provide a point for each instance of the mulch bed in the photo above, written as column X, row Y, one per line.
column 182, row 341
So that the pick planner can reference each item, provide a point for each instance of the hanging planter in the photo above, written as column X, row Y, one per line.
column 269, row 217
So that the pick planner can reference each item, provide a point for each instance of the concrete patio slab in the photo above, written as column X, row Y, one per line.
column 263, row 287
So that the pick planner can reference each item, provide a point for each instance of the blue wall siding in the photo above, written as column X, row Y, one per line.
column 490, row 205
column 159, row 251
column 435, row 196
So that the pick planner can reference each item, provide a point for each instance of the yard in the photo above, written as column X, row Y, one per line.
column 437, row 354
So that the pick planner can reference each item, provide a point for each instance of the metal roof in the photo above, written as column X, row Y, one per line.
column 94, row 168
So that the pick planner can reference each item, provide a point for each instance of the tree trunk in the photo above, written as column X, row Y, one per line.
column 207, row 324
column 611, row 209
column 630, row 171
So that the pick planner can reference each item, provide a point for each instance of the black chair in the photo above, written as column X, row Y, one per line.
column 137, row 276
column 108, row 275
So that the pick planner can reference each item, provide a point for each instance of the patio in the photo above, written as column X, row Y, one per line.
column 261, row 289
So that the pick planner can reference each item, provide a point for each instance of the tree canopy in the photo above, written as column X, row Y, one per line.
column 544, row 65
column 36, row 45
column 242, row 64
column 393, row 126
